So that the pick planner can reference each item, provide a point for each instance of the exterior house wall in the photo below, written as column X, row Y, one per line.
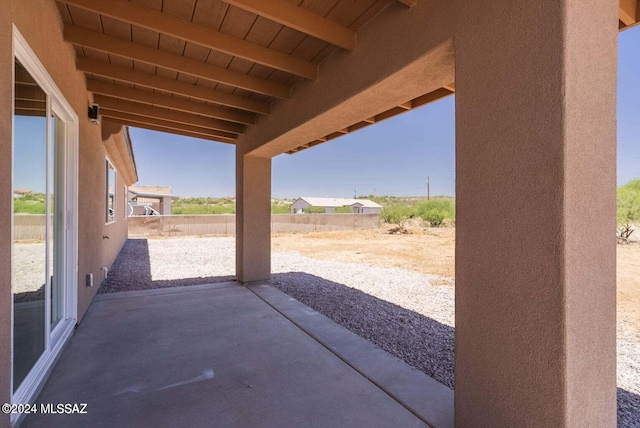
column 40, row 24
column 368, row 210
column 298, row 205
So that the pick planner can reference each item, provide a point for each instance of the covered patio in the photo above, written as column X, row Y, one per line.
column 226, row 355
column 535, row 87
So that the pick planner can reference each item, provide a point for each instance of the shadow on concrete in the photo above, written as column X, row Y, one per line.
column 419, row 341
column 132, row 271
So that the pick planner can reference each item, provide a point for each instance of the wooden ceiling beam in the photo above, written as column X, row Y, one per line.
column 151, row 19
column 167, row 129
column 300, row 19
column 628, row 12
column 409, row 105
column 115, row 46
column 153, row 81
column 431, row 97
column 168, row 115
column 180, row 104
column 409, row 3
column 167, row 124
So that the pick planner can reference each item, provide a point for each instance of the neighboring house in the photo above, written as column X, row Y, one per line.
column 358, row 206
column 157, row 197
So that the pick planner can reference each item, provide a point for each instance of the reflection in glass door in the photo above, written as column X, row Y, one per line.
column 39, row 223
column 30, row 208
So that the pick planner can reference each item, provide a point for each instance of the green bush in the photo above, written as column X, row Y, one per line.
column 434, row 217
column 628, row 209
column 343, row 210
column 398, row 215
column 30, row 204
column 277, row 208
column 436, row 211
column 628, row 202
column 197, row 209
column 313, row 210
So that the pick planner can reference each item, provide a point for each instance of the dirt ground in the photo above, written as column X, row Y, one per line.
column 432, row 251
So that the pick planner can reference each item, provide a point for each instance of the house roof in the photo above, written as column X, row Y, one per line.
column 366, row 203
column 152, row 195
column 338, row 202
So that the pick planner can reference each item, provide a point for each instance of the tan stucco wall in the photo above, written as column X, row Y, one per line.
column 6, row 197
column 535, row 205
column 40, row 24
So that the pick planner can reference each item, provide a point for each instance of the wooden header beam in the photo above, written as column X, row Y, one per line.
column 114, row 104
column 151, row 19
column 628, row 13
column 153, row 81
column 113, row 45
column 180, row 104
column 167, row 127
column 287, row 14
column 409, row 105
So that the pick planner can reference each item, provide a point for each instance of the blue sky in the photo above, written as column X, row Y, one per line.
column 390, row 158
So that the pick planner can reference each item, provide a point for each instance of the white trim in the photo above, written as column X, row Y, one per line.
column 58, row 337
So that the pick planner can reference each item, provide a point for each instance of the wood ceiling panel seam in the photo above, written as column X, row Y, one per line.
column 172, row 62
column 269, row 46
column 301, row 20
column 180, row 104
column 170, row 25
column 154, row 81
column 116, row 104
column 167, row 128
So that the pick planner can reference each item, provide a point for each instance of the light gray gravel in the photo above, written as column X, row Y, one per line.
column 398, row 310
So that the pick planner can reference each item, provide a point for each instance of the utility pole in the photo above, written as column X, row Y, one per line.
column 374, row 193
column 355, row 194
column 428, row 195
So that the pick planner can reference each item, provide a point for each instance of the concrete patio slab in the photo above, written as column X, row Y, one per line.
column 218, row 356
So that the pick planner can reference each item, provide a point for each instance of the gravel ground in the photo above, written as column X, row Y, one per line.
column 398, row 310
column 29, row 271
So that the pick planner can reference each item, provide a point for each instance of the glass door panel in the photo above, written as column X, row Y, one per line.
column 56, row 219
column 30, row 267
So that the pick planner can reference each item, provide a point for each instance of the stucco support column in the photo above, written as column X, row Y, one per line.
column 535, row 227
column 253, row 218
column 6, row 196
column 166, row 206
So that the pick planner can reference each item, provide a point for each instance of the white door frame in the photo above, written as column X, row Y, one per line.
column 55, row 339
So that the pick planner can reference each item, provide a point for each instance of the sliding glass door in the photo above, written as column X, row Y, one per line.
column 32, row 203
column 44, row 256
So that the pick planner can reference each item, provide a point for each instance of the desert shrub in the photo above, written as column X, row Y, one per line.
column 628, row 209
column 199, row 209
column 278, row 208
column 436, row 211
column 313, row 210
column 344, row 210
column 398, row 215
column 434, row 217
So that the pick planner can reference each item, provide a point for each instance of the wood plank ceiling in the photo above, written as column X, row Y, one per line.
column 210, row 68
column 204, row 68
